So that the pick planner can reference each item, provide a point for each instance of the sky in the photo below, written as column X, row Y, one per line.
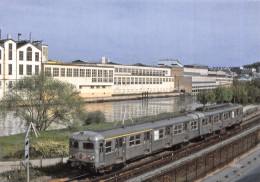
column 206, row 32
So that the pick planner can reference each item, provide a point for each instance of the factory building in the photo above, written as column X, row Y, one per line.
column 109, row 79
column 191, row 79
column 18, row 59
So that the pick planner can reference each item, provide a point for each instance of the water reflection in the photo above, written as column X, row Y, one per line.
column 114, row 111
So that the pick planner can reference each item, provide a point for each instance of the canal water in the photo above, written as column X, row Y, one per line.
column 114, row 111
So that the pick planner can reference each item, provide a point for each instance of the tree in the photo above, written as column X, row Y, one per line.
column 205, row 96
column 223, row 94
column 44, row 100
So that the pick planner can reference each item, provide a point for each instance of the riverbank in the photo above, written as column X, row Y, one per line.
column 12, row 147
column 129, row 97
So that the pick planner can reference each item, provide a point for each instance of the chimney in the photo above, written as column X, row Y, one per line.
column 30, row 37
column 19, row 36
column 8, row 36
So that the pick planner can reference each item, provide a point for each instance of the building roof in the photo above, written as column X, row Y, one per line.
column 196, row 66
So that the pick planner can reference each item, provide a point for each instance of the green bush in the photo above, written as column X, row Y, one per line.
column 95, row 117
column 47, row 149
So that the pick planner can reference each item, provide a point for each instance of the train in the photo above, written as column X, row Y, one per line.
column 104, row 149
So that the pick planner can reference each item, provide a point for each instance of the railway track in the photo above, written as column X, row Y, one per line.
column 149, row 163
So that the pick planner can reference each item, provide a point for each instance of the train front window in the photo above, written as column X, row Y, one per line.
column 76, row 145
column 88, row 146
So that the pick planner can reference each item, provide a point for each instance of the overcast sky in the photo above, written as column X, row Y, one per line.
column 207, row 32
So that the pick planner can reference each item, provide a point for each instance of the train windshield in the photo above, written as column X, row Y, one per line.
column 88, row 146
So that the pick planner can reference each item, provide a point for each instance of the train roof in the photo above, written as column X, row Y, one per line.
column 129, row 129
column 134, row 129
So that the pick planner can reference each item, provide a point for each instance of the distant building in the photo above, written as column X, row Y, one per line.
column 193, row 78
column 108, row 78
column 170, row 63
column 18, row 59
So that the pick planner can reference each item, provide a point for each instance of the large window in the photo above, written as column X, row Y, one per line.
column 48, row 71
column 56, row 72
column 69, row 72
column 82, row 72
column 75, row 72
column 37, row 70
column 29, row 54
column 94, row 73
column 88, row 72
column 10, row 53
column 37, row 57
column 28, row 69
column 62, row 72
column 20, row 69
column 10, row 69
column 21, row 55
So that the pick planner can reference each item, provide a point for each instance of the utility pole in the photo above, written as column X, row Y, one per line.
column 31, row 127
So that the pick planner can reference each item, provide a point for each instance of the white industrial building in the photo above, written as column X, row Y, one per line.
column 19, row 58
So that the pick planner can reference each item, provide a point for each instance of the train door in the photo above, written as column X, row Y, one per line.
column 147, row 142
column 120, row 149
column 168, row 136
column 101, row 152
column 185, row 131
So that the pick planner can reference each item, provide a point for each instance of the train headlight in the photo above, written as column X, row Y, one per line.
column 92, row 158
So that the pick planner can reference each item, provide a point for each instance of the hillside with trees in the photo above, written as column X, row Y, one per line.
column 240, row 93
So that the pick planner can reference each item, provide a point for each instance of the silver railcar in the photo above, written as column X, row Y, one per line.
column 106, row 148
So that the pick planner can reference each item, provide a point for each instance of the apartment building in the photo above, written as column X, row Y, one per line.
column 19, row 58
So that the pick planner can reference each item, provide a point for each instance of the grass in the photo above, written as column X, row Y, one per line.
column 54, row 171
column 13, row 143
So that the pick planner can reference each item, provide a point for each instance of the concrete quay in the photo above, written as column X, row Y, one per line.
column 128, row 97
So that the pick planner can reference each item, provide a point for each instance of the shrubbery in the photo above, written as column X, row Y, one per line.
column 46, row 149
column 95, row 117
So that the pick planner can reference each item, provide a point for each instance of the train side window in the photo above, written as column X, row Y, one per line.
column 137, row 139
column 101, row 147
column 216, row 119
column 76, row 145
column 204, row 122
column 116, row 145
column 147, row 136
column 185, row 127
column 120, row 142
column 177, row 129
column 108, row 146
column 131, row 140
column 161, row 133
column 168, row 130
column 221, row 117
column 211, row 119
column 193, row 125
column 240, row 112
